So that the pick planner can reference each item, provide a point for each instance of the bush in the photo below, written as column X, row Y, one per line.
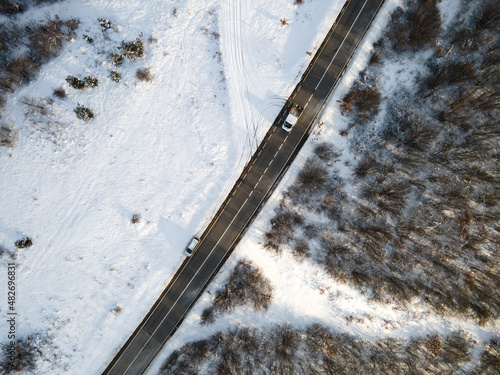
column 326, row 152
column 23, row 243
column 246, row 286
column 59, row 93
column 46, row 40
column 36, row 107
column 21, row 71
column 83, row 113
column 312, row 177
column 76, row 83
column 91, row 81
column 487, row 16
column 7, row 136
column 144, row 75
column 105, row 23
column 415, row 27
column 88, row 38
column 363, row 102
column 115, row 76
column 116, row 58
column 133, row 50
column 135, row 219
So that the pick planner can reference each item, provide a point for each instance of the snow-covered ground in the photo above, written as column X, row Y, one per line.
column 168, row 150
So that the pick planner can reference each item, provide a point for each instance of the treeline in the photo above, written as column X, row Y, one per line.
column 318, row 350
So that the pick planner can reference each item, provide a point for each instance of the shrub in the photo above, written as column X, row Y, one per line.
column 326, row 152
column 7, row 136
column 36, row 106
column 59, row 93
column 415, row 27
column 105, row 23
column 144, row 75
column 133, row 50
column 91, row 81
column 115, row 76
column 23, row 243
column 20, row 357
column 116, row 58
column 363, row 102
column 298, row 2
column 76, row 83
column 246, row 286
column 83, row 113
column 88, row 38
column 207, row 316
column 312, row 177
column 487, row 16
column 21, row 71
column 433, row 345
column 46, row 40
column 135, row 219
column 490, row 358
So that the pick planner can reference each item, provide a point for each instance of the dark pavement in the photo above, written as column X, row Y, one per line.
column 259, row 178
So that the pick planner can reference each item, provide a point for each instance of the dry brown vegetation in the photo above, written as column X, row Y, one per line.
column 245, row 286
column 318, row 350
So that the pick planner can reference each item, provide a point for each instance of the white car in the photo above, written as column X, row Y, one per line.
column 291, row 119
column 192, row 246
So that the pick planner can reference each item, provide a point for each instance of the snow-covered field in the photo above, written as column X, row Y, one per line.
column 168, row 150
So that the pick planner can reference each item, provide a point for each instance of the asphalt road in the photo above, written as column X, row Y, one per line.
column 259, row 178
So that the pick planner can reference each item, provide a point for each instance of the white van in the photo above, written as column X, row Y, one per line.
column 192, row 246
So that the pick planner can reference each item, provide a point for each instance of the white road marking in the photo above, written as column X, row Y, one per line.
column 341, row 44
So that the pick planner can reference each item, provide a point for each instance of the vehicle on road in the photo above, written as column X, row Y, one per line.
column 292, row 117
column 192, row 246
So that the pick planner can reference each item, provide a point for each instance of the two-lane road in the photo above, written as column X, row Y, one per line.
column 271, row 159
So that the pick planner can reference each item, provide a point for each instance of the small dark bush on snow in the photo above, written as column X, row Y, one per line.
column 135, row 219
column 88, row 38
column 144, row 75
column 326, row 151
column 24, row 243
column 74, row 82
column 116, row 58
column 83, row 113
column 59, row 93
column 105, row 23
column 91, row 81
column 115, row 76
column 312, row 177
column 7, row 136
column 133, row 50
